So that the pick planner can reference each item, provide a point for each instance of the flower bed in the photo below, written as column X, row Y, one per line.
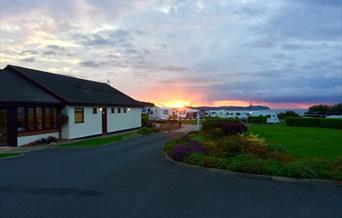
column 248, row 153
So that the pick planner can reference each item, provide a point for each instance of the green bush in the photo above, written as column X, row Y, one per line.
column 171, row 144
column 195, row 159
column 257, row 119
column 215, row 133
column 331, row 123
column 313, row 169
column 214, row 162
column 247, row 164
column 276, row 168
column 280, row 156
column 314, row 122
column 252, row 144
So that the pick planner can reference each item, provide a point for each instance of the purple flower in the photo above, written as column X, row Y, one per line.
column 180, row 151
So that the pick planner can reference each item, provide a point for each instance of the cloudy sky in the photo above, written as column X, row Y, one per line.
column 284, row 53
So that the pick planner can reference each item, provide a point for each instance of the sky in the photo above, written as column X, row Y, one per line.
column 283, row 53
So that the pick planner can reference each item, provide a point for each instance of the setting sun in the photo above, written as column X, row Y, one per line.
column 177, row 104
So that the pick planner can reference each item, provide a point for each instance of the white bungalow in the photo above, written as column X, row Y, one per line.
column 36, row 105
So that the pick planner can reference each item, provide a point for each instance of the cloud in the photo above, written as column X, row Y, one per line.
column 275, row 51
column 90, row 64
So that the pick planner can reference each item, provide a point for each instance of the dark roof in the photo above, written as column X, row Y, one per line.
column 15, row 89
column 147, row 104
column 74, row 90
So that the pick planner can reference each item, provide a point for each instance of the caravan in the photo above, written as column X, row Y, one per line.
column 271, row 116
column 162, row 113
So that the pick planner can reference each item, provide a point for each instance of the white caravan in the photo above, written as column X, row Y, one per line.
column 271, row 116
column 159, row 113
column 189, row 114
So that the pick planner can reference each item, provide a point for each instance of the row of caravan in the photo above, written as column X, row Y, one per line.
column 162, row 113
column 243, row 115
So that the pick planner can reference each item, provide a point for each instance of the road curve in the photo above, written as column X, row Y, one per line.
column 133, row 179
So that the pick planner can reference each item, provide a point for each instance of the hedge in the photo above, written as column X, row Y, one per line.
column 228, row 127
column 314, row 122
column 259, row 119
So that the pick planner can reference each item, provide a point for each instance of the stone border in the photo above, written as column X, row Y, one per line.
column 4, row 158
column 260, row 177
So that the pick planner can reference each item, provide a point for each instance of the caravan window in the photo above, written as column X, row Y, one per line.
column 238, row 114
column 268, row 116
column 166, row 112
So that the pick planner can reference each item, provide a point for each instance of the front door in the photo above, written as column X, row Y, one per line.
column 104, row 120
column 3, row 127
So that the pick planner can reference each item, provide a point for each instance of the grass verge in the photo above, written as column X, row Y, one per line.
column 7, row 155
column 100, row 141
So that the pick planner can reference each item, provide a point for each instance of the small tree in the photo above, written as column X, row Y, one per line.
column 284, row 115
column 336, row 109
column 320, row 108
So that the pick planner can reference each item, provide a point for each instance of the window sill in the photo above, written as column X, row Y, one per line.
column 37, row 132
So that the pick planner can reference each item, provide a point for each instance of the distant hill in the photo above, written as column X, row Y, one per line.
column 252, row 108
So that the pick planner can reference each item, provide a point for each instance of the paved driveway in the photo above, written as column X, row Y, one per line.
column 133, row 179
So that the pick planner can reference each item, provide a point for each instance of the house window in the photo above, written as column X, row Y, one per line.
column 47, row 118
column 39, row 118
column 119, row 110
column 113, row 110
column 30, row 119
column 79, row 115
column 124, row 110
column 53, row 118
column 21, row 119
column 94, row 110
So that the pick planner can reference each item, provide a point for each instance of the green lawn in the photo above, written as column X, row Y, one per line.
column 5, row 155
column 98, row 141
column 302, row 142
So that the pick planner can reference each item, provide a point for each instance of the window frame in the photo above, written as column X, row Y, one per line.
column 30, row 125
column 113, row 110
column 94, row 110
column 81, row 110
column 119, row 110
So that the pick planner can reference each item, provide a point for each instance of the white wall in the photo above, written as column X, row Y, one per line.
column 121, row 121
column 93, row 122
column 23, row 140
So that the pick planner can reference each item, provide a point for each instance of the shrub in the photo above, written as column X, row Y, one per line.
column 252, row 144
column 331, row 123
column 194, row 158
column 229, row 127
column 215, row 133
column 276, row 168
column 178, row 152
column 214, row 162
column 314, row 122
column 247, row 164
column 314, row 169
column 303, row 122
column 236, row 144
column 280, row 156
column 257, row 119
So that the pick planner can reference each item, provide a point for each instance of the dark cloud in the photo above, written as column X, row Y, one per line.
column 173, row 69
column 90, row 64
column 30, row 59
